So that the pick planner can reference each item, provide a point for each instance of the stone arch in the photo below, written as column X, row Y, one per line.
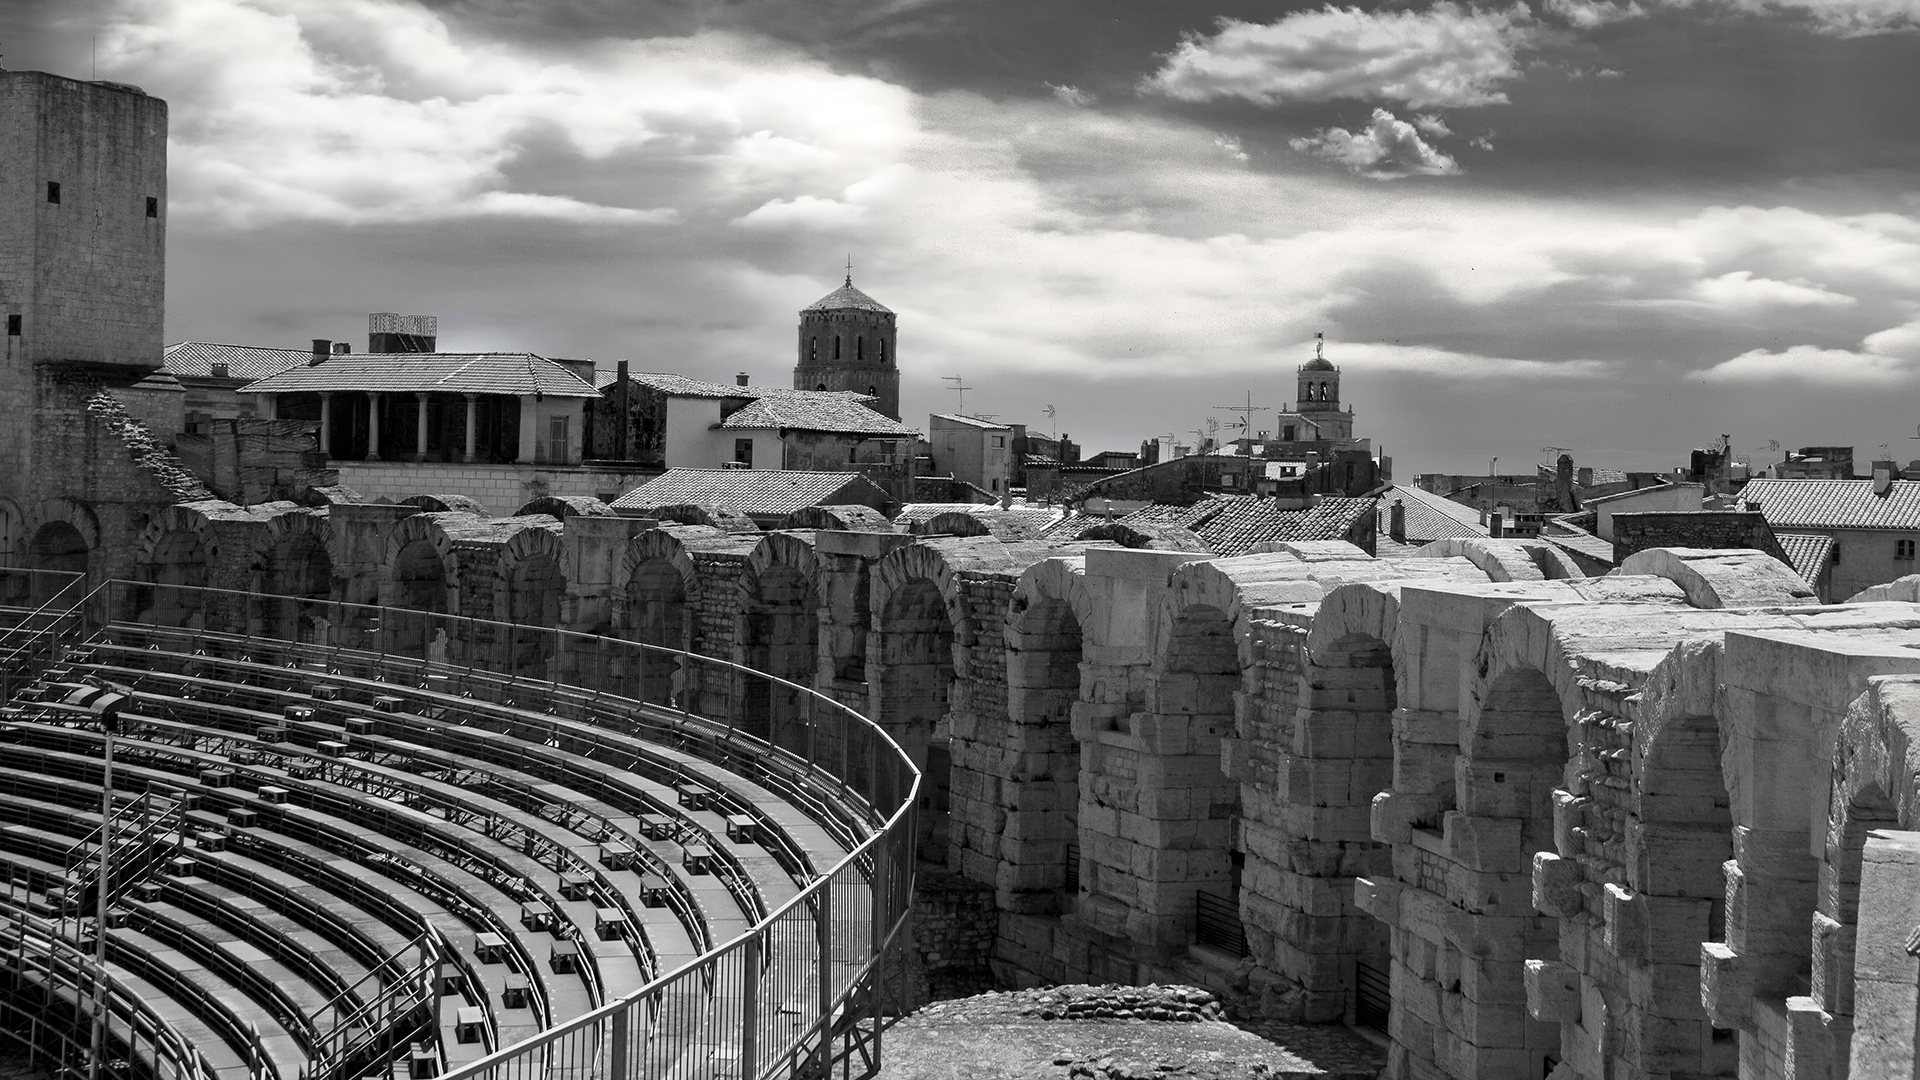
column 776, row 630
column 653, row 593
column 420, row 578
column 918, row 626
column 63, row 535
column 291, row 566
column 533, row 593
column 173, row 556
column 1504, row 559
column 1716, row 578
column 724, row 518
column 1028, row 822
column 18, row 587
column 442, row 504
column 1157, row 537
column 951, row 523
column 845, row 518
column 562, row 507
column 1864, row 977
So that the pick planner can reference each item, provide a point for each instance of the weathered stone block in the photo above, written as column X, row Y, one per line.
column 1553, row 992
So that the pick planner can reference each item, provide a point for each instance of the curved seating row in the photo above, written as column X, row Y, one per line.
column 565, row 846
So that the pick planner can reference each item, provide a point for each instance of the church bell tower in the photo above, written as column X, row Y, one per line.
column 1319, row 396
column 847, row 343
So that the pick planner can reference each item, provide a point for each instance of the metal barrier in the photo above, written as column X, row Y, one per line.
column 802, row 990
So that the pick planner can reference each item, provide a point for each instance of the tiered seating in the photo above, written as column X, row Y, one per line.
column 549, row 848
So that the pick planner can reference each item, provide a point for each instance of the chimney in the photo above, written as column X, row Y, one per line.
column 1585, row 475
column 1493, row 524
column 321, row 348
column 740, row 379
column 341, row 348
column 1397, row 522
column 1883, row 474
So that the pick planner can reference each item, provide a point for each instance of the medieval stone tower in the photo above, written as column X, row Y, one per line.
column 1319, row 396
column 847, row 343
column 83, row 197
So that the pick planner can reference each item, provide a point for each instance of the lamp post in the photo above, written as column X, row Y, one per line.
column 106, row 707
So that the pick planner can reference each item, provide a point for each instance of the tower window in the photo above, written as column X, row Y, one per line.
column 822, row 386
column 836, row 346
column 859, row 348
column 883, row 350
column 13, row 326
column 53, row 191
column 873, row 391
column 153, row 207
column 813, row 348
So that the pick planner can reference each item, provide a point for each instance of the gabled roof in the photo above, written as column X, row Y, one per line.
column 1429, row 517
column 751, row 491
column 681, row 386
column 1808, row 553
column 1244, row 523
column 441, row 373
column 816, row 410
column 847, row 298
column 196, row 359
column 1835, row 504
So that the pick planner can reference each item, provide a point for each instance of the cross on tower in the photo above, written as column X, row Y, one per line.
column 849, row 268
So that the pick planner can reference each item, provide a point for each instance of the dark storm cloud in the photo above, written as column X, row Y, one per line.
column 668, row 182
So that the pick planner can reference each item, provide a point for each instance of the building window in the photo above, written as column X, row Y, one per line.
column 873, row 391
column 999, row 441
column 822, row 386
column 859, row 348
column 813, row 348
column 557, row 432
column 1836, row 553
column 153, row 207
column 994, row 484
column 743, row 452
column 53, row 191
column 836, row 346
column 1903, row 549
column 13, row 326
column 883, row 350
column 1286, row 433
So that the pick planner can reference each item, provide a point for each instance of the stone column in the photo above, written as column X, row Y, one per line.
column 420, row 428
column 472, row 428
column 326, row 423
column 373, row 426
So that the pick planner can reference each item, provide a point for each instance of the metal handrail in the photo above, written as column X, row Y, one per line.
column 765, row 1034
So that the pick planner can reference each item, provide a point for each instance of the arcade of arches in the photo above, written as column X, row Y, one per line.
column 1652, row 824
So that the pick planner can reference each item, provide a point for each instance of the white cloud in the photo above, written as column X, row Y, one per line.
column 1844, row 18
column 1448, row 363
column 1072, row 95
column 366, row 111
column 1386, row 149
column 1447, row 55
column 1587, row 14
column 1739, row 290
column 1431, row 125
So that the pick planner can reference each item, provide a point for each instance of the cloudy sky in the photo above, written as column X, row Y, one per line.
column 1619, row 226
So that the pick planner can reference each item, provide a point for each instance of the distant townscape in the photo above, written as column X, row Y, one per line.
column 378, row 710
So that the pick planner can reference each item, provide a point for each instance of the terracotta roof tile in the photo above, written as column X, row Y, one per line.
column 196, row 359
column 1835, row 504
column 749, row 491
column 1807, row 553
column 453, row 373
column 814, row 410
column 845, row 298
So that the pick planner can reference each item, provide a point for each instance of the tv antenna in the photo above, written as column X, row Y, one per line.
column 960, row 385
column 1556, row 449
column 1245, row 423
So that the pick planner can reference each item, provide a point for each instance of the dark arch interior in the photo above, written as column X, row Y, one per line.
column 299, row 578
column 1043, row 673
column 56, row 546
column 419, row 585
column 915, row 642
column 777, row 631
column 179, row 564
column 657, row 614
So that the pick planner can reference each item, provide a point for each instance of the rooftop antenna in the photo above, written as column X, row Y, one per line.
column 1556, row 449
column 1245, row 423
column 956, row 380
column 849, row 267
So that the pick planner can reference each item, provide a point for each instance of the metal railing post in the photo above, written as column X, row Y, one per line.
column 823, row 913
column 750, row 1006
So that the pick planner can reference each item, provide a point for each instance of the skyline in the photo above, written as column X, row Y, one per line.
column 1622, row 227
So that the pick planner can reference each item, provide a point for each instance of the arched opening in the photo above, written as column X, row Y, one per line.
column 1514, row 762
column 298, row 582
column 1345, row 757
column 420, row 591
column 657, row 614
column 1038, row 847
column 912, row 679
column 56, row 546
column 1676, row 849
column 777, row 631
column 534, row 592
column 1880, row 993
column 177, row 567
column 1190, row 890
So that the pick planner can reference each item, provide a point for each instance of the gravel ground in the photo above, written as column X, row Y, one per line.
column 1113, row 1033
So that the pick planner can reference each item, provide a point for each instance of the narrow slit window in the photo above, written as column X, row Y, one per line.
column 53, row 191
column 13, row 326
column 153, row 207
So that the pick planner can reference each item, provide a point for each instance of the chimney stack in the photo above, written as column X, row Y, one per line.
column 341, row 348
column 740, row 379
column 321, row 348
column 1397, row 522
